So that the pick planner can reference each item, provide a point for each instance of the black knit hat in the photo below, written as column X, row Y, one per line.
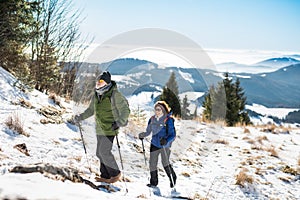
column 105, row 76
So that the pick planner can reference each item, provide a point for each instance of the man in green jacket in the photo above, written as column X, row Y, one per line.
column 111, row 111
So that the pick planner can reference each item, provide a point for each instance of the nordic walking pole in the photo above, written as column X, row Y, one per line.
column 144, row 152
column 122, row 164
column 80, row 130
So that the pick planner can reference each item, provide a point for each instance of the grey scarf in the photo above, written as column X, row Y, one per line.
column 104, row 89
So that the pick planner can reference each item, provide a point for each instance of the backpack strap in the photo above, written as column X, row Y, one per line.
column 113, row 103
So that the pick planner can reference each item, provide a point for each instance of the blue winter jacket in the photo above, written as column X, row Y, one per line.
column 159, row 129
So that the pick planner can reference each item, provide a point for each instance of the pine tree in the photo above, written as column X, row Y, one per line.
column 241, row 102
column 170, row 95
column 207, row 104
column 16, row 20
column 185, row 112
column 195, row 115
column 226, row 102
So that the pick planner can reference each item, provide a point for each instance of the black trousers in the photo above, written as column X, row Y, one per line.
column 165, row 156
column 108, row 165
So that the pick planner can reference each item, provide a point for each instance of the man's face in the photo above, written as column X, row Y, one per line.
column 100, row 84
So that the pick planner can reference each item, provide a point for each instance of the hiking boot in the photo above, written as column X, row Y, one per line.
column 116, row 178
column 101, row 179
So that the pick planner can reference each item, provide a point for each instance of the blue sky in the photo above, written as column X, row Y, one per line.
column 230, row 24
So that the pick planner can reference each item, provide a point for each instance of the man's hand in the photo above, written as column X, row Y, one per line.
column 115, row 126
column 77, row 118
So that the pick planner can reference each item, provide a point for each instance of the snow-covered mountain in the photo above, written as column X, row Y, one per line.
column 278, row 62
column 278, row 88
column 211, row 161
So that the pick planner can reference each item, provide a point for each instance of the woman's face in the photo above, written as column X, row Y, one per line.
column 100, row 84
column 158, row 111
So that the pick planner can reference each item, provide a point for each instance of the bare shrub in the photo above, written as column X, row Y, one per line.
column 14, row 123
column 243, row 178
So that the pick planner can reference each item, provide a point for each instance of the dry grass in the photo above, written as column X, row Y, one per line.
column 15, row 124
column 289, row 170
column 199, row 197
column 246, row 130
column 257, row 147
column 260, row 139
column 56, row 99
column 250, row 141
column 299, row 161
column 221, row 141
column 221, row 123
column 25, row 103
column 285, row 179
column 186, row 174
column 243, row 178
column 273, row 152
column 142, row 196
column 270, row 128
column 270, row 168
column 259, row 171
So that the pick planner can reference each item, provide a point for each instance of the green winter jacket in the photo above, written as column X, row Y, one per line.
column 111, row 107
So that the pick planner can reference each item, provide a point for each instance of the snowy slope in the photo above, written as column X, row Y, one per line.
column 206, row 157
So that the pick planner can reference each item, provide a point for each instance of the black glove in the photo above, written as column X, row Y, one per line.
column 115, row 126
column 77, row 118
column 142, row 135
column 163, row 141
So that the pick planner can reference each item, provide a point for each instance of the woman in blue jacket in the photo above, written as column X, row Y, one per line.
column 161, row 125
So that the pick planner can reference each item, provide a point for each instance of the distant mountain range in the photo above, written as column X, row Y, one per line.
column 269, row 65
column 278, row 62
column 279, row 88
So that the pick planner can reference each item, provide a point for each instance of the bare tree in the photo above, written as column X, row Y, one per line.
column 55, row 44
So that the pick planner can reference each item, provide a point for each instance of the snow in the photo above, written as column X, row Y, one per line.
column 187, row 76
column 191, row 96
column 276, row 112
column 205, row 168
column 241, row 76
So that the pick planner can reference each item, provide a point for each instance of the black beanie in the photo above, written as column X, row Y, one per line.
column 105, row 76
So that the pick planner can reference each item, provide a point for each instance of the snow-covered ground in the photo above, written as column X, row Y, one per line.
column 206, row 157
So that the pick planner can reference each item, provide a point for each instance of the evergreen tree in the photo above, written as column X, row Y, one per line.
column 207, row 105
column 170, row 95
column 241, row 102
column 226, row 102
column 16, row 20
column 195, row 115
column 185, row 112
